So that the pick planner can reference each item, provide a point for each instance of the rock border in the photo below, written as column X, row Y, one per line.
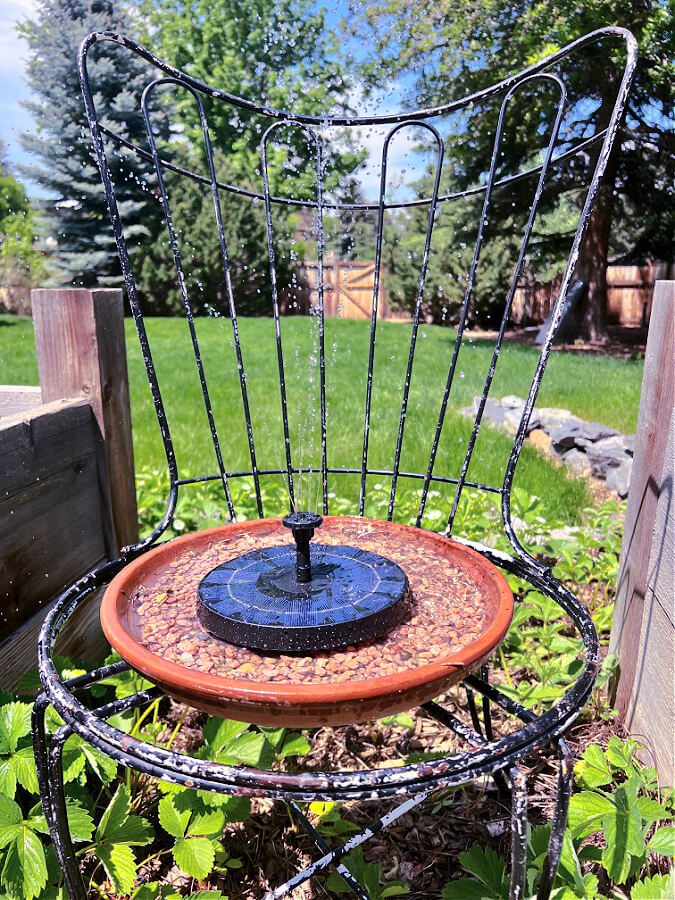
column 588, row 448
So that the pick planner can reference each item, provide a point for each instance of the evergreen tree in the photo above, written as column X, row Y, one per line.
column 75, row 211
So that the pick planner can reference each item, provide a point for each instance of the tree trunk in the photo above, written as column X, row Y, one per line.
column 592, row 264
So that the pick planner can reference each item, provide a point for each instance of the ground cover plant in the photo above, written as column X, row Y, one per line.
column 139, row 838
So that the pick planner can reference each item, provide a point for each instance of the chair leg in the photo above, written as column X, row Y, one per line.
column 58, row 826
column 331, row 857
column 41, row 753
column 356, row 887
column 518, row 834
column 565, row 776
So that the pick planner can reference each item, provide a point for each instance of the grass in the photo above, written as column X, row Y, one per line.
column 597, row 388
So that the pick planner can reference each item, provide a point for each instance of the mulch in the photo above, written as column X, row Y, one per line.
column 623, row 341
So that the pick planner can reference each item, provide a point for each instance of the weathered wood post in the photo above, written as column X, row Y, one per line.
column 79, row 336
column 642, row 633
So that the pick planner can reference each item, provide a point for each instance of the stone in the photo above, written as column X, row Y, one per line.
column 511, row 419
column 618, row 479
column 549, row 416
column 511, row 401
column 594, row 431
column 577, row 461
column 614, row 444
column 540, row 440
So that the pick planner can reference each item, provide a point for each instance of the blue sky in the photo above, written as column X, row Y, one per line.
column 14, row 119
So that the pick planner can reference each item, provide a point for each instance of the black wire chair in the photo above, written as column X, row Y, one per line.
column 486, row 754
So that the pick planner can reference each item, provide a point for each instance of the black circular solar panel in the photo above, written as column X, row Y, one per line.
column 256, row 600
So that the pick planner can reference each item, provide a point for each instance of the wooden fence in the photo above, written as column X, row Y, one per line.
column 644, row 618
column 629, row 295
column 67, row 496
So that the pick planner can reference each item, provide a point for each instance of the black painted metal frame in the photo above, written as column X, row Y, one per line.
column 486, row 754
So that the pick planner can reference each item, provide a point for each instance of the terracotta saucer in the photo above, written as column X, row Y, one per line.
column 460, row 609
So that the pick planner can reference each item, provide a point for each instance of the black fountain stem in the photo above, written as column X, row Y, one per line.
column 303, row 525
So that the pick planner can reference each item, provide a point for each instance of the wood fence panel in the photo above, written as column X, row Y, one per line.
column 642, row 632
column 55, row 521
column 81, row 351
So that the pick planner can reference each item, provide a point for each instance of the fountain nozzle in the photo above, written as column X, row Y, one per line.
column 303, row 525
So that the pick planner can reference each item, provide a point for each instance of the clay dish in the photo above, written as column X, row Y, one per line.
column 460, row 607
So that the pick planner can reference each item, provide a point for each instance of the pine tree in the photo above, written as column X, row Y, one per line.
column 75, row 210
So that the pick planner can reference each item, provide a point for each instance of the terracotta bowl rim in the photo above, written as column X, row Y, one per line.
column 185, row 680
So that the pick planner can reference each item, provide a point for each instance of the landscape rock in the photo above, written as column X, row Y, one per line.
column 588, row 448
column 577, row 461
column 549, row 417
column 618, row 479
column 511, row 401
column 541, row 440
column 616, row 443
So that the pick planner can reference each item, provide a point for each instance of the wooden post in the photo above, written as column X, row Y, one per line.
column 642, row 632
column 81, row 352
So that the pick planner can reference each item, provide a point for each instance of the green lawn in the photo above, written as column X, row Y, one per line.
column 597, row 388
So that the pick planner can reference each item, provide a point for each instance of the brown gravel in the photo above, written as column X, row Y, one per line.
column 447, row 612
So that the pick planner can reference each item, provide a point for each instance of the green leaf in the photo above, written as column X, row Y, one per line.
column 23, row 763
column 137, row 832
column 111, row 826
column 248, row 749
column 218, row 733
column 195, row 856
column 623, row 835
column 569, row 863
column 14, row 725
column 488, row 867
column 296, row 744
column 235, row 809
column 593, row 770
column 103, row 766
column 120, row 865
column 651, row 810
column 80, row 822
column 208, row 824
column 466, row 889
column 587, row 809
column 11, row 818
column 660, row 887
column 337, row 885
column 663, row 841
column 24, row 873
column 621, row 753
column 7, row 778
column 172, row 819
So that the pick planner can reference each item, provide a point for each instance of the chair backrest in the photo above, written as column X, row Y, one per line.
column 296, row 195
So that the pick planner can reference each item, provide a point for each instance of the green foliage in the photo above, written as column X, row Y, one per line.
column 618, row 802
column 19, row 258
column 450, row 50
column 16, row 753
column 367, row 874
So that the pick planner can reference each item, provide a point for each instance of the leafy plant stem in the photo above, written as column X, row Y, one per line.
column 502, row 659
column 179, row 725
